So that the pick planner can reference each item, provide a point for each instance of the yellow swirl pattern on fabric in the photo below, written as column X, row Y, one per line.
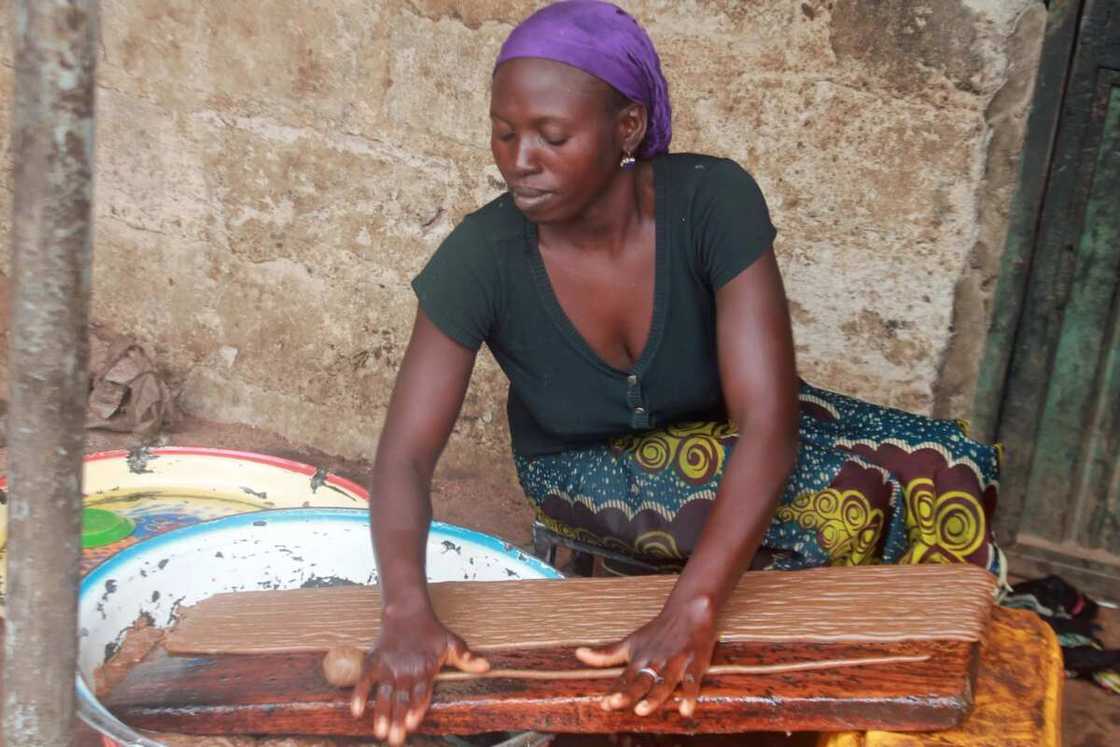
column 700, row 458
column 942, row 527
column 654, row 451
column 847, row 526
column 695, row 449
column 684, row 430
column 658, row 544
column 623, row 444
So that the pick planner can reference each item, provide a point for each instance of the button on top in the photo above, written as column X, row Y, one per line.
column 632, row 379
column 639, row 411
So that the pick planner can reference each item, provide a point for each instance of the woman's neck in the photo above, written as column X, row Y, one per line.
column 610, row 219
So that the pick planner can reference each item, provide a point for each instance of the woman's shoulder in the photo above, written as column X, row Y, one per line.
column 691, row 172
column 497, row 221
column 723, row 215
column 711, row 188
column 695, row 161
column 479, row 245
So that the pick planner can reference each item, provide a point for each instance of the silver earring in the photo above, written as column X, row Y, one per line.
column 628, row 161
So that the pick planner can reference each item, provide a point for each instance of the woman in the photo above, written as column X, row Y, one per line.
column 633, row 299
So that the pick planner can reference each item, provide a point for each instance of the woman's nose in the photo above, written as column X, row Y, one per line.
column 524, row 157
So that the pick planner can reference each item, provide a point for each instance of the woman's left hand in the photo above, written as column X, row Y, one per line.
column 674, row 649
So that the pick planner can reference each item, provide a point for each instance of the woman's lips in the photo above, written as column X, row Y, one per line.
column 527, row 198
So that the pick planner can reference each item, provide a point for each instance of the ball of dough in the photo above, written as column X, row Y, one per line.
column 342, row 666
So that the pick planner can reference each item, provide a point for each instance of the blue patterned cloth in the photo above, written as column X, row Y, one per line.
column 871, row 484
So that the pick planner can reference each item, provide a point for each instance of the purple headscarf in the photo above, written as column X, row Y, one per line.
column 602, row 40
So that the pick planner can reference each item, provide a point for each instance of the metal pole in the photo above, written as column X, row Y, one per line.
column 52, row 146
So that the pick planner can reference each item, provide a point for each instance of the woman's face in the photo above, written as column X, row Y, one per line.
column 557, row 136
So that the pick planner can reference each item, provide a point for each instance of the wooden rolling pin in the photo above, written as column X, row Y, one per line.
column 342, row 666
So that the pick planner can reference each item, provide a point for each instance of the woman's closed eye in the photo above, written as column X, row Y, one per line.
column 554, row 139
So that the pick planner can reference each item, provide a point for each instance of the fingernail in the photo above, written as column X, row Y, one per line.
column 617, row 700
column 643, row 708
column 396, row 734
column 380, row 727
column 688, row 707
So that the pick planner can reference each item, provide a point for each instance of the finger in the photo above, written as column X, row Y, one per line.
column 614, row 697
column 639, row 688
column 461, row 657
column 382, row 709
column 402, row 699
column 690, row 688
column 421, row 699
column 360, row 696
column 606, row 656
column 661, row 691
column 629, row 688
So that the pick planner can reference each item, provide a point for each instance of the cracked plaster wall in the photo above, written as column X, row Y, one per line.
column 271, row 175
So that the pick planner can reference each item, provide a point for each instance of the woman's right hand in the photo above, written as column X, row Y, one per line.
column 401, row 669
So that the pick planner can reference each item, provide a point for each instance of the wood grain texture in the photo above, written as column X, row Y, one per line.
column 286, row 694
column 871, row 604
column 1018, row 693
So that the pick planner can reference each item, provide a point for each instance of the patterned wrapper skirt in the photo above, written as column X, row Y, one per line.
column 871, row 485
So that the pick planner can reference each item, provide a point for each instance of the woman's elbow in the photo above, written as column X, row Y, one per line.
column 778, row 430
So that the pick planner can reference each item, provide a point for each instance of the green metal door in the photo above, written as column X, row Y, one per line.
column 1058, row 381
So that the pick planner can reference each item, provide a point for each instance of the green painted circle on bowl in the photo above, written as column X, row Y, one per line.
column 100, row 528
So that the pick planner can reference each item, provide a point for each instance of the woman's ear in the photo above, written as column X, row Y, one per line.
column 632, row 121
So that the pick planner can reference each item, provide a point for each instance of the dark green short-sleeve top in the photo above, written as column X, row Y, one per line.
column 488, row 283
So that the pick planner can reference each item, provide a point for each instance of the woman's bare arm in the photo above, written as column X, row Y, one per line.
column 756, row 360
column 414, row 645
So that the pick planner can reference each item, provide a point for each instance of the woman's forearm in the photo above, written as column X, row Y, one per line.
column 760, row 385
column 426, row 400
column 753, row 479
column 400, row 514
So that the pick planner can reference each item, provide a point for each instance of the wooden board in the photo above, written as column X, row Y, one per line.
column 873, row 604
column 252, row 660
column 286, row 694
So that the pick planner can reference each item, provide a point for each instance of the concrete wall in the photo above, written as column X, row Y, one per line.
column 272, row 173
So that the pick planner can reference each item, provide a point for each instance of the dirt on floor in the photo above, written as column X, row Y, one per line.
column 482, row 497
column 1091, row 715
